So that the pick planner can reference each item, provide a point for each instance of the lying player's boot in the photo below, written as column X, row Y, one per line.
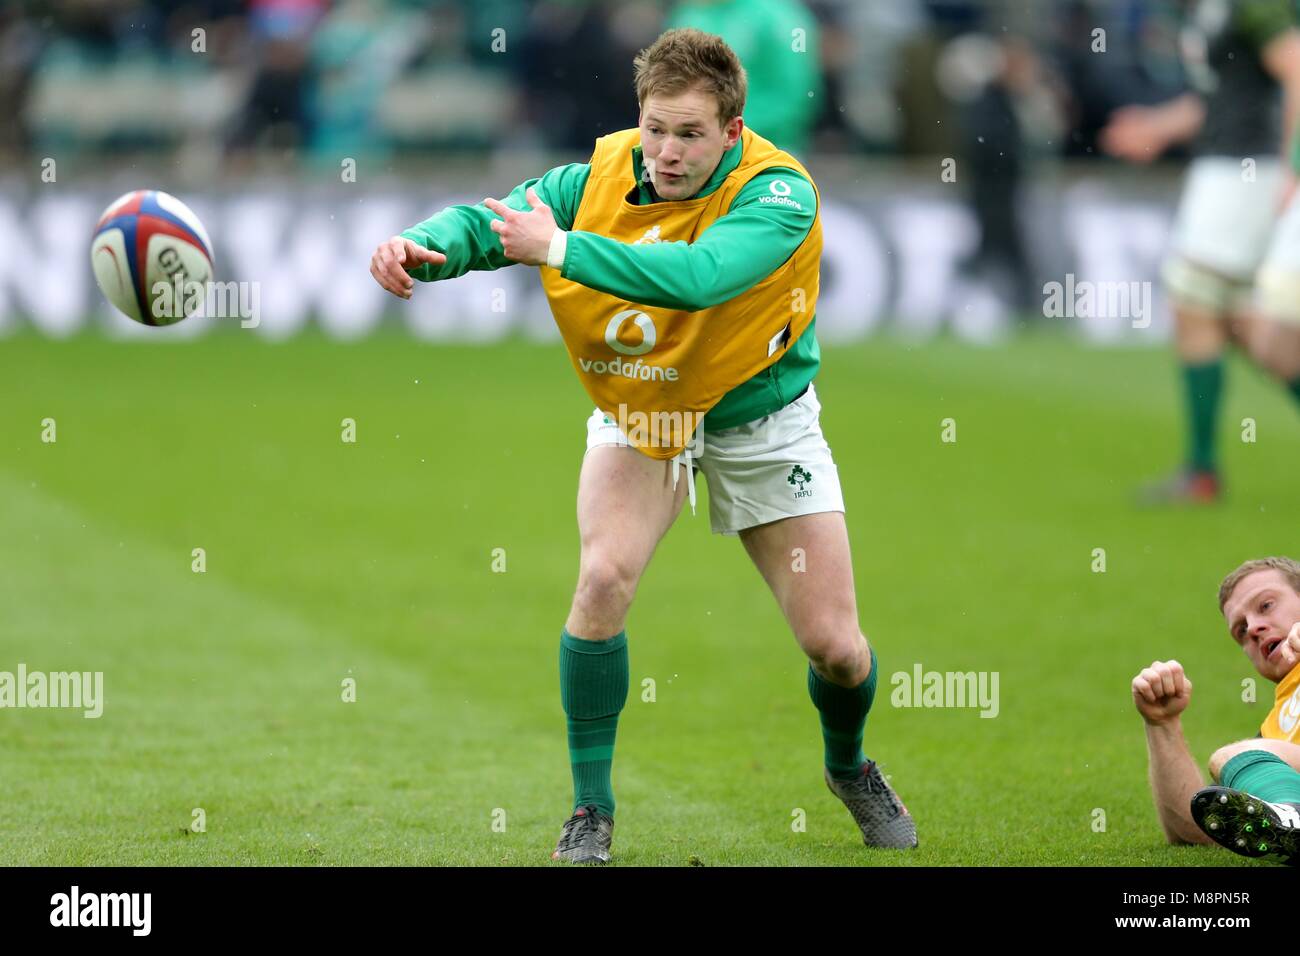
column 1248, row 825
column 880, row 815
column 1187, row 487
column 586, row 837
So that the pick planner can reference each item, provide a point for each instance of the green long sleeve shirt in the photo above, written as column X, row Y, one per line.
column 733, row 254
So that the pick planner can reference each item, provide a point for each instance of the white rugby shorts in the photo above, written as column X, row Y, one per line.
column 775, row 467
column 1223, row 231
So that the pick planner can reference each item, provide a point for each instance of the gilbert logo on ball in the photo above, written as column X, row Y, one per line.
column 152, row 257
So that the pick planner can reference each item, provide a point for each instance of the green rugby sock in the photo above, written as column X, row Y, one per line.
column 1204, row 385
column 843, row 713
column 593, row 689
column 1262, row 774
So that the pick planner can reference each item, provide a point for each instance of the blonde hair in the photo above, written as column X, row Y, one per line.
column 686, row 59
column 1288, row 567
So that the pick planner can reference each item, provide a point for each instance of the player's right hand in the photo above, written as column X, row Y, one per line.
column 1161, row 692
column 392, row 260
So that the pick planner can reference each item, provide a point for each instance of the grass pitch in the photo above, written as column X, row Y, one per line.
column 374, row 561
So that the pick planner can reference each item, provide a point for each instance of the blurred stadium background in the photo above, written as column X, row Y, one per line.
column 249, row 111
column 303, row 132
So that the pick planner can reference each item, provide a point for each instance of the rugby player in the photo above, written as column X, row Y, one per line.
column 681, row 265
column 1233, row 271
column 1255, row 808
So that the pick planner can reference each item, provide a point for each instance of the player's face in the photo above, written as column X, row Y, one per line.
column 1260, row 612
column 682, row 141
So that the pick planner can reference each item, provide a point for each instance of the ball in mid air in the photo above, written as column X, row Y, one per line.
column 151, row 257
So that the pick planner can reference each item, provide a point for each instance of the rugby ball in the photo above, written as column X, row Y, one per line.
column 152, row 257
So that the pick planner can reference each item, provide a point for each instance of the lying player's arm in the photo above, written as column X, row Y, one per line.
column 764, row 227
column 1174, row 778
column 1161, row 693
column 460, row 239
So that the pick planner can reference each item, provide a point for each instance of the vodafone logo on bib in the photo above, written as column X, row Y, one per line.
column 642, row 321
column 1289, row 715
column 640, row 368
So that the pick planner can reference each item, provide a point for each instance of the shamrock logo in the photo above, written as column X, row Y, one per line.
column 799, row 477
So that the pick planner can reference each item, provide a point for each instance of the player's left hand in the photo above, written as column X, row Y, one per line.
column 525, row 236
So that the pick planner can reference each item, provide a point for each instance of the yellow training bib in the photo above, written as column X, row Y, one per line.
column 1283, row 721
column 657, row 371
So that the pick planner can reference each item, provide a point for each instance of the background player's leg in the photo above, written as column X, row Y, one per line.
column 1200, row 337
column 1220, row 238
column 626, row 502
column 1275, row 347
column 819, row 604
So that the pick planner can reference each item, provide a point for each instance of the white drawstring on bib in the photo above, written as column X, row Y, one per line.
column 684, row 457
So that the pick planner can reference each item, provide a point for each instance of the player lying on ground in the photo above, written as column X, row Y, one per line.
column 1233, row 269
column 1254, row 811
column 681, row 265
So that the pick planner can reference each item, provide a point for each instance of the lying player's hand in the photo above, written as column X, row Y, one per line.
column 394, row 257
column 1291, row 647
column 525, row 236
column 1161, row 692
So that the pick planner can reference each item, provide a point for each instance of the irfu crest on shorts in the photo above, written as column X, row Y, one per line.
column 799, row 477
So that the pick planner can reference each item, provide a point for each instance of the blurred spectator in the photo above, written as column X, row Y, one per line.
column 864, row 46
column 575, row 67
column 1133, row 60
column 1002, row 88
column 274, row 114
column 330, row 77
column 21, row 44
column 779, row 42
column 356, row 55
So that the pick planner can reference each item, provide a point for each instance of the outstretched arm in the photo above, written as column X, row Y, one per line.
column 463, row 234
column 768, row 220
